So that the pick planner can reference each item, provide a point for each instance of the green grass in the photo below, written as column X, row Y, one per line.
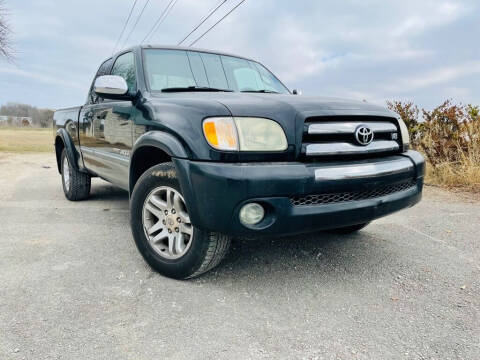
column 20, row 140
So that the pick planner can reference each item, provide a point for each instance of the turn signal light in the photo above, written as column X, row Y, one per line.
column 221, row 133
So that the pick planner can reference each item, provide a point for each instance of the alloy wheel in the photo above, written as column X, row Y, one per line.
column 166, row 222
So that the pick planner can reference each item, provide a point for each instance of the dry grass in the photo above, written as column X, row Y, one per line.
column 21, row 140
column 465, row 176
column 459, row 170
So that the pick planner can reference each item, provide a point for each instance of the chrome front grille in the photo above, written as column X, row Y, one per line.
column 332, row 198
column 349, row 127
column 329, row 136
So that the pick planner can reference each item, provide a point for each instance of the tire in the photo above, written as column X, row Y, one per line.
column 76, row 185
column 173, row 247
column 349, row 229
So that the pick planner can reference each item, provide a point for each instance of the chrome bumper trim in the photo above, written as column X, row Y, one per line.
column 364, row 170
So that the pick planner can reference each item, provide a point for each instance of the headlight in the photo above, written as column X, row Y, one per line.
column 404, row 134
column 244, row 134
column 257, row 134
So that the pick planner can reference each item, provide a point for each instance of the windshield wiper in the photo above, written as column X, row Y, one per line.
column 193, row 88
column 264, row 91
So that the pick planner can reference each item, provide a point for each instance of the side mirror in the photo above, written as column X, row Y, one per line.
column 111, row 87
column 296, row 92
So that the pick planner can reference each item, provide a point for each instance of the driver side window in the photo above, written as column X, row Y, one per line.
column 125, row 67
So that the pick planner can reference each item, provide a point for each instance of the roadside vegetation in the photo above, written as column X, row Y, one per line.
column 449, row 137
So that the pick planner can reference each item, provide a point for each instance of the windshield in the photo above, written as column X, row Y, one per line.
column 177, row 69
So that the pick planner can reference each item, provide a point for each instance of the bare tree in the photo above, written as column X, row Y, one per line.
column 5, row 40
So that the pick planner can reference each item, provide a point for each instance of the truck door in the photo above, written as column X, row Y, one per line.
column 108, row 128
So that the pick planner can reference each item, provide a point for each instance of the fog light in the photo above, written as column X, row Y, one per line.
column 251, row 214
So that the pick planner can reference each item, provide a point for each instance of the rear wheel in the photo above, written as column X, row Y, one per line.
column 349, row 229
column 162, row 229
column 76, row 185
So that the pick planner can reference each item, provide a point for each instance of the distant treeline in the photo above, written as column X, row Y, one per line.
column 40, row 117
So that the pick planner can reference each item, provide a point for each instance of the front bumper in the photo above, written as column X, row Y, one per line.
column 215, row 192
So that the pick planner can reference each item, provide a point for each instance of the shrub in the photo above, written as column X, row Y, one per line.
column 409, row 114
column 449, row 137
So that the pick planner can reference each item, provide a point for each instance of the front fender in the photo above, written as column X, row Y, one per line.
column 167, row 146
column 164, row 141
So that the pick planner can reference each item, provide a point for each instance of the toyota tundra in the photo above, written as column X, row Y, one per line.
column 211, row 146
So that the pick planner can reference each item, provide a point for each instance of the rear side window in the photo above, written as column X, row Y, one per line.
column 125, row 67
column 104, row 69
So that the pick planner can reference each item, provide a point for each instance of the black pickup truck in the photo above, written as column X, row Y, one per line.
column 211, row 146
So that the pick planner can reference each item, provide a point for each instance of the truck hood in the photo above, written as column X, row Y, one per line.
column 271, row 105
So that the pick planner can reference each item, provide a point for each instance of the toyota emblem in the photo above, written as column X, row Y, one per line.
column 364, row 135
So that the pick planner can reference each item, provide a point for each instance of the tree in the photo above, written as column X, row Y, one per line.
column 45, row 117
column 6, row 50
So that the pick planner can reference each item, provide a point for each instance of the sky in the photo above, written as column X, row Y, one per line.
column 375, row 50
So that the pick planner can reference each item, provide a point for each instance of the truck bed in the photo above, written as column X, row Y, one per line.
column 62, row 117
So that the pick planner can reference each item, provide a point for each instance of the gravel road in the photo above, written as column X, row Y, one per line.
column 73, row 286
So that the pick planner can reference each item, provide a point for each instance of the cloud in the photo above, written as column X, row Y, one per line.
column 368, row 49
column 299, row 44
column 433, row 14
column 437, row 76
column 45, row 79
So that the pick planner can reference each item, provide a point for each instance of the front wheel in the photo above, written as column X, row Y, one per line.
column 162, row 229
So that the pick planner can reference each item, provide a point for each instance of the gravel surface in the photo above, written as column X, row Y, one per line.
column 73, row 286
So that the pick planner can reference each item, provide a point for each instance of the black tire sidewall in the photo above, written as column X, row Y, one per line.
column 164, row 175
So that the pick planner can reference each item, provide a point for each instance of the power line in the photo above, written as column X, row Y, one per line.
column 156, row 22
column 136, row 22
column 125, row 25
column 166, row 15
column 201, row 23
column 205, row 33
column 160, row 19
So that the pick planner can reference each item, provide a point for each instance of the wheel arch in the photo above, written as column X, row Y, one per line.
column 64, row 141
column 152, row 148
